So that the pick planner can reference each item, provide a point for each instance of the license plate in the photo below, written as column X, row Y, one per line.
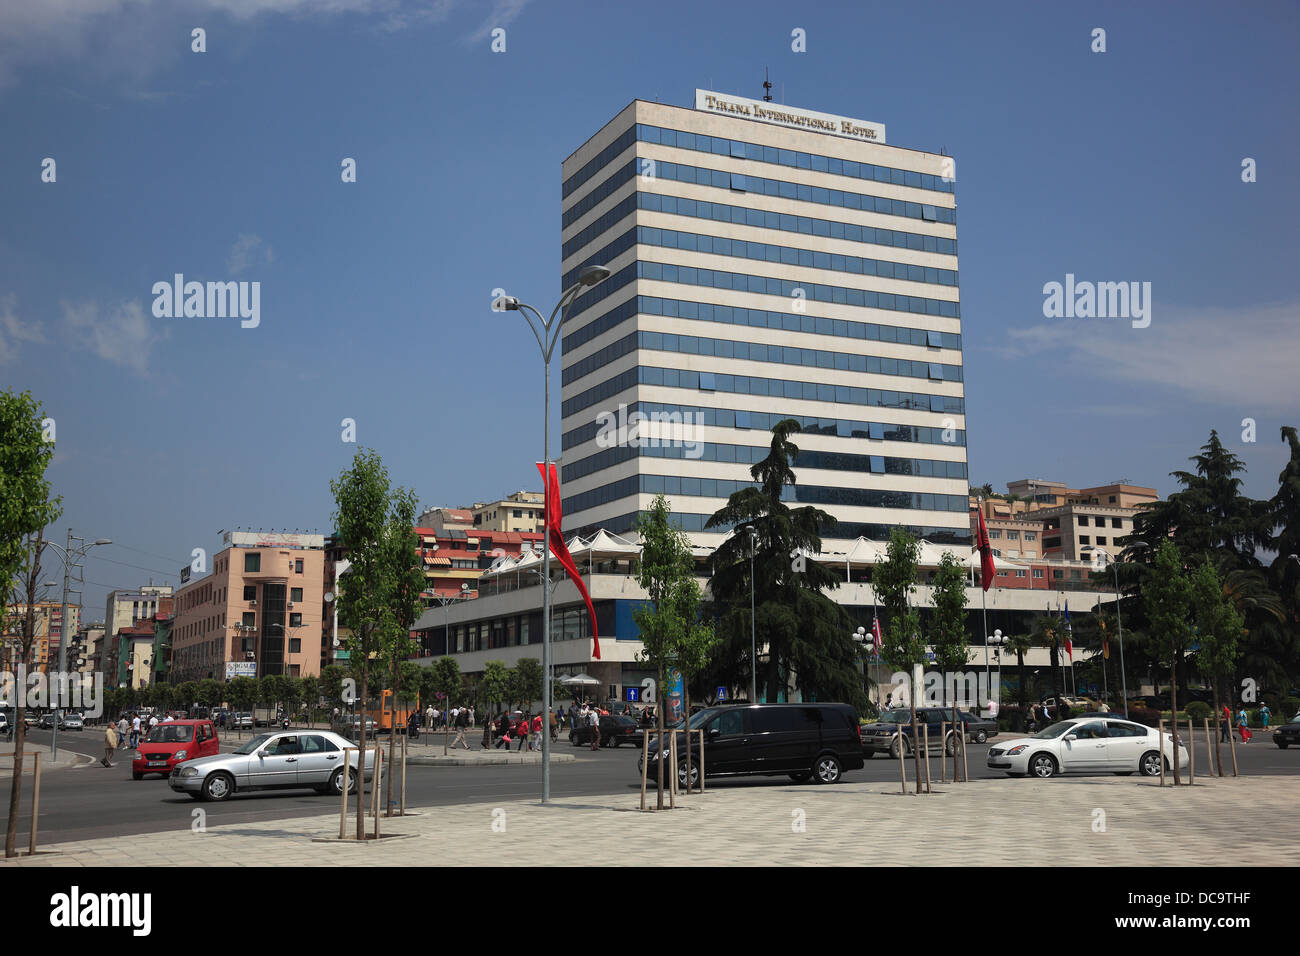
column 157, row 763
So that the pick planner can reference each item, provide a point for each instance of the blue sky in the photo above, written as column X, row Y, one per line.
column 1115, row 166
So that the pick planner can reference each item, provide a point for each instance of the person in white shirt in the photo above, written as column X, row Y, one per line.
column 153, row 721
column 168, row 719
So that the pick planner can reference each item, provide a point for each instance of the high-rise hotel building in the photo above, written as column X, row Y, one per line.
column 768, row 262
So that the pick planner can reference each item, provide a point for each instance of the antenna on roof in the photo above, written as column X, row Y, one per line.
column 767, row 87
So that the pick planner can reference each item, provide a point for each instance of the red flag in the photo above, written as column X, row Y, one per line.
column 555, row 538
column 987, row 571
column 877, row 639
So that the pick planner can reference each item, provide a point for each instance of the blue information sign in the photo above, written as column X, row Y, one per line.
column 632, row 694
column 722, row 693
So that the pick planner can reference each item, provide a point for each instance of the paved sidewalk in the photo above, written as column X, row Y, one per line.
column 1248, row 821
column 67, row 758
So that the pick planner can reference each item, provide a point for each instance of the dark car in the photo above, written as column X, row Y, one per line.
column 882, row 735
column 1286, row 735
column 615, row 729
column 801, row 741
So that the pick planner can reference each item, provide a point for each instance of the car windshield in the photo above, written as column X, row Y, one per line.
column 895, row 717
column 253, row 745
column 698, row 719
column 170, row 734
column 1053, row 731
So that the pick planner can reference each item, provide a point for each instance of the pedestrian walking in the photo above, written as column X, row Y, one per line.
column 537, row 732
column 135, row 731
column 487, row 734
column 462, row 724
column 503, row 731
column 110, row 745
column 1225, row 724
column 1264, row 714
column 521, row 731
column 555, row 726
column 1241, row 725
column 122, row 728
column 593, row 719
column 428, row 716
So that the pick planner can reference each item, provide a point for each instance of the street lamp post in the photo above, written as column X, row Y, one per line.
column 997, row 640
column 547, row 333
column 753, row 632
column 70, row 556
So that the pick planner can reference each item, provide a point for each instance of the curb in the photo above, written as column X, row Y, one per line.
column 493, row 760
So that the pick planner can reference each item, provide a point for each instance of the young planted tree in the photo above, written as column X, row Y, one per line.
column 309, row 689
column 367, row 519
column 526, row 682
column 26, row 508
column 496, row 682
column 1167, row 596
column 401, row 554
column 1219, row 629
column 948, row 635
column 695, row 647
column 444, row 679
column 894, row 581
column 666, row 565
column 1019, row 644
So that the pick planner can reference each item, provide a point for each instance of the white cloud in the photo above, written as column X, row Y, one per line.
column 137, row 37
column 13, row 330
column 124, row 335
column 248, row 251
column 1244, row 358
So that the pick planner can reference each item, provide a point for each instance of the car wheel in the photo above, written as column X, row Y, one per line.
column 614, row 742
column 981, row 736
column 336, row 781
column 681, row 774
column 827, row 769
column 1281, row 745
column 136, row 776
column 951, row 747
column 573, row 738
column 218, row 786
column 1150, row 764
column 1042, row 766
column 801, row 777
column 893, row 749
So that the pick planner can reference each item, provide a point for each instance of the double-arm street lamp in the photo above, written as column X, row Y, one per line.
column 71, row 558
column 1119, row 622
column 547, row 333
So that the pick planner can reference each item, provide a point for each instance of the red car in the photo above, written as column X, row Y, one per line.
column 172, row 742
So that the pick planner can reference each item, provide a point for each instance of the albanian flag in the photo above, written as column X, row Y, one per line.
column 987, row 571
column 555, row 539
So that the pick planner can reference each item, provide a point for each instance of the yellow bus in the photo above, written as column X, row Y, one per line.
column 386, row 712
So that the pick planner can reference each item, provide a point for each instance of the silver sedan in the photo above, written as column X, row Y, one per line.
column 278, row 761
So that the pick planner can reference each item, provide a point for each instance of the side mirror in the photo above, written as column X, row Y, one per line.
column 714, row 732
column 1071, row 737
column 264, row 753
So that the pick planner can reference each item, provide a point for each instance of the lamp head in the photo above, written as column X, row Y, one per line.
column 99, row 541
column 592, row 275
column 506, row 303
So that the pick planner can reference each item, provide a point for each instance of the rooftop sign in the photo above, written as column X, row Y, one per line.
column 790, row 116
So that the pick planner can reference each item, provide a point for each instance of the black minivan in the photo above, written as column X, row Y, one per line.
column 817, row 741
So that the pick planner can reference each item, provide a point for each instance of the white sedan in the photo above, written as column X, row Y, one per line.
column 1086, row 745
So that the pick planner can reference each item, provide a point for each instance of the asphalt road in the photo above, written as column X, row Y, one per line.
column 86, row 802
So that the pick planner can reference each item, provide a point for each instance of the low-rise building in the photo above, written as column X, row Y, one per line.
column 521, row 511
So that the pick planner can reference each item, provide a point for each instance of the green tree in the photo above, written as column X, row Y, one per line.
column 1020, row 644
column 526, row 682
column 401, row 548
column 369, row 519
column 26, row 508
column 807, row 634
column 903, row 647
column 1218, row 630
column 495, row 683
column 331, row 683
column 309, row 688
column 948, row 635
column 1167, row 596
column 666, row 563
column 242, row 692
column 444, row 678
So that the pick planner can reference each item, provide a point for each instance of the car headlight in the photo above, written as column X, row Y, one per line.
column 189, row 772
column 138, row 755
column 1017, row 750
column 181, row 755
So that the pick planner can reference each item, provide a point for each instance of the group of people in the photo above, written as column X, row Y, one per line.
column 127, row 733
column 1242, row 720
column 519, row 728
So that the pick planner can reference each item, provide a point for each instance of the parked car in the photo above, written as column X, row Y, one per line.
column 349, row 725
column 1086, row 745
column 174, row 742
column 6, row 727
column 614, row 730
column 802, row 741
column 31, row 718
column 72, row 721
column 241, row 720
column 882, row 736
column 1287, row 734
column 272, row 761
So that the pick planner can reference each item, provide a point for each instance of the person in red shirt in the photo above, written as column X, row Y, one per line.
column 536, row 742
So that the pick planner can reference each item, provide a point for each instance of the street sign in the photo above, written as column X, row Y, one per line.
column 632, row 695
column 722, row 693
